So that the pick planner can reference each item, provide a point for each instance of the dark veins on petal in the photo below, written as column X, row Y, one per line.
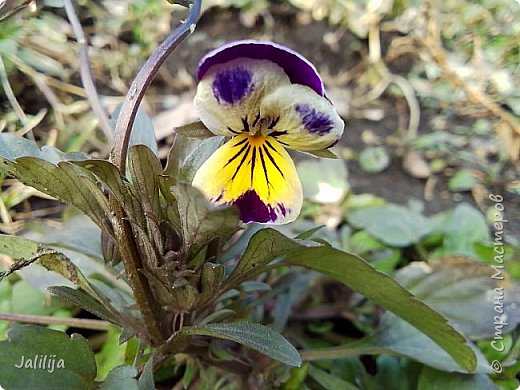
column 314, row 121
column 232, row 85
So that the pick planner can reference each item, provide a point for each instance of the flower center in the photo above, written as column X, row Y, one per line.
column 260, row 125
column 257, row 139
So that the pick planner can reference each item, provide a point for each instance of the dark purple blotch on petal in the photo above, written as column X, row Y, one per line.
column 297, row 67
column 232, row 85
column 252, row 209
column 314, row 121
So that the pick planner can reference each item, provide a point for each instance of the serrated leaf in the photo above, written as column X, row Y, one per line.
column 200, row 221
column 194, row 130
column 69, row 362
column 255, row 336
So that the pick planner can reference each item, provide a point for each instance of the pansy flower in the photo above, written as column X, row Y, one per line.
column 267, row 98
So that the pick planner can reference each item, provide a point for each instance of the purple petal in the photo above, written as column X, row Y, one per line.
column 232, row 85
column 252, row 209
column 314, row 121
column 297, row 67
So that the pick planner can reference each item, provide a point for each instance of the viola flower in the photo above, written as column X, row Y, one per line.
column 267, row 98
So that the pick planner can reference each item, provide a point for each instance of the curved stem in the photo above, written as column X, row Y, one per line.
column 152, row 313
column 143, row 79
column 85, row 71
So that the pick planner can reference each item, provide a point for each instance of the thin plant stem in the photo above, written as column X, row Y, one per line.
column 49, row 320
column 86, row 72
column 140, row 84
column 153, row 314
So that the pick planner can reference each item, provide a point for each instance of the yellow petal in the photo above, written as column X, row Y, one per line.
column 256, row 174
column 229, row 95
column 307, row 121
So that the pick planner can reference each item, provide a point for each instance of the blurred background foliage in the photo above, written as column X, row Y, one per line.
column 431, row 91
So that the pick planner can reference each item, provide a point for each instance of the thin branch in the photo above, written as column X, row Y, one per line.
column 153, row 314
column 49, row 320
column 86, row 72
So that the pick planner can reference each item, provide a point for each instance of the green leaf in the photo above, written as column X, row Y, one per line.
column 118, row 186
column 26, row 299
column 194, row 130
column 145, row 169
column 464, row 228
column 197, row 157
column 180, row 150
column 59, row 263
column 41, row 62
column 325, row 153
column 112, row 353
column 17, row 247
column 78, row 233
column 65, row 181
column 431, row 379
column 384, row 291
column 329, row 381
column 13, row 147
column 324, row 181
column 200, row 221
column 374, row 159
column 263, row 247
column 145, row 172
column 465, row 292
column 394, row 225
column 84, row 301
column 69, row 364
column 143, row 132
column 255, row 336
column 146, row 380
column 463, row 180
column 121, row 377
column 397, row 336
